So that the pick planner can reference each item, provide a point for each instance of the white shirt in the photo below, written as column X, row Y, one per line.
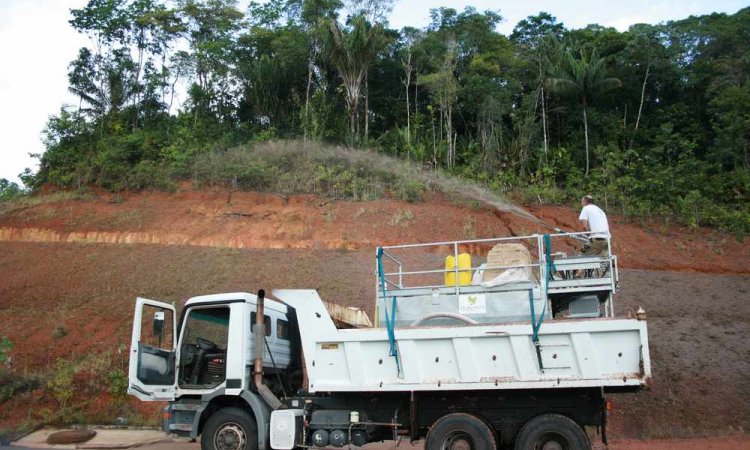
column 596, row 219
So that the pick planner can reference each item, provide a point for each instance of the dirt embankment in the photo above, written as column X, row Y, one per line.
column 248, row 220
column 67, row 286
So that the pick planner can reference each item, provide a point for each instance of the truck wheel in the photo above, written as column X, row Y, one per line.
column 552, row 432
column 229, row 429
column 459, row 431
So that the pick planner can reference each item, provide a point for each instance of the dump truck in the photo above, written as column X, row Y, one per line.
column 476, row 345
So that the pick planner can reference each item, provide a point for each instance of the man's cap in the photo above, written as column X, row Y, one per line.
column 588, row 198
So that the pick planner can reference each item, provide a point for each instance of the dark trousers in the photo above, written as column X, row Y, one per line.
column 596, row 247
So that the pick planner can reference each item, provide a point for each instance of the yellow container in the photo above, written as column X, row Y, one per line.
column 464, row 270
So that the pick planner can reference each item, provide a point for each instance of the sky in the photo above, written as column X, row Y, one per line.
column 37, row 44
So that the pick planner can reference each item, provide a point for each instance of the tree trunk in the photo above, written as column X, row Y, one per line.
column 408, row 122
column 416, row 84
column 367, row 107
column 449, row 133
column 136, row 100
column 307, row 93
column 640, row 107
column 544, row 112
column 586, row 136
column 434, row 142
column 171, row 91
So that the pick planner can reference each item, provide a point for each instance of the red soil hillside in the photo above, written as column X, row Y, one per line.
column 70, row 270
column 249, row 220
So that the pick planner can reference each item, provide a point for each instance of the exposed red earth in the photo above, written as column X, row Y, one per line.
column 71, row 269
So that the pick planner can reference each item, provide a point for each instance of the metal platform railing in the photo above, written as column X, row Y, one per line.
column 562, row 275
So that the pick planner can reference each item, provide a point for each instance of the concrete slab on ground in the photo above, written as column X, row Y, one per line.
column 106, row 438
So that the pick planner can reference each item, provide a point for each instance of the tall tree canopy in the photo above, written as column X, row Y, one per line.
column 655, row 119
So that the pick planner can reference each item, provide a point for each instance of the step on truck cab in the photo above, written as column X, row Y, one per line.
column 481, row 344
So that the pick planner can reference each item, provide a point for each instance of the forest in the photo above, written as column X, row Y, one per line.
column 653, row 121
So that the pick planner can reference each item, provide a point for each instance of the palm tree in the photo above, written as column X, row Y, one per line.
column 580, row 78
column 351, row 52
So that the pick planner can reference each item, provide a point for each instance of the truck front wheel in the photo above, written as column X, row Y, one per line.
column 459, row 431
column 552, row 432
column 229, row 429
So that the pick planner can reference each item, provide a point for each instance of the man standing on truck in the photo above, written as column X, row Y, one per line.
column 595, row 220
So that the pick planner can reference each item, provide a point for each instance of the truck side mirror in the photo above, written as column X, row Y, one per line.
column 158, row 324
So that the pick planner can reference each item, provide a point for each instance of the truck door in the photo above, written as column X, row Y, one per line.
column 151, row 373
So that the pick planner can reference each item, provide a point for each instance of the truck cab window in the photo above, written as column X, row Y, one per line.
column 204, row 344
column 266, row 323
column 155, row 345
column 156, row 328
column 282, row 329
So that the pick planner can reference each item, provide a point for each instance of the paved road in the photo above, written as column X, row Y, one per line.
column 725, row 443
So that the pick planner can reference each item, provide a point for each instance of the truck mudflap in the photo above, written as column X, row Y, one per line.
column 262, row 413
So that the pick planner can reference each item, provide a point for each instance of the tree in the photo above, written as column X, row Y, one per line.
column 580, row 77
column 105, row 85
column 444, row 86
column 410, row 37
column 211, row 26
column 375, row 12
column 8, row 191
column 272, row 66
column 351, row 50
column 643, row 54
column 313, row 15
column 533, row 35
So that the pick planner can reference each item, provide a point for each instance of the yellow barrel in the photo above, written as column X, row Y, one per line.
column 464, row 272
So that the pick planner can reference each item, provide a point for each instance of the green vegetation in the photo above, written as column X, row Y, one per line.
column 9, row 191
column 289, row 167
column 5, row 346
column 11, row 383
column 654, row 121
column 72, row 383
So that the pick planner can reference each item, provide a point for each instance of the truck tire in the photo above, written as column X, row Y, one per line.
column 230, row 429
column 460, row 431
column 552, row 432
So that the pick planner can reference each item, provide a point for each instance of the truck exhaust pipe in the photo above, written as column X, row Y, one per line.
column 260, row 335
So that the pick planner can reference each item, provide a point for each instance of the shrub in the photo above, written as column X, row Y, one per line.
column 152, row 175
column 5, row 346
column 117, row 383
column 12, row 384
column 411, row 191
column 9, row 190
column 61, row 382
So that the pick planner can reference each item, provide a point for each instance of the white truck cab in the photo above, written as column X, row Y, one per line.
column 211, row 350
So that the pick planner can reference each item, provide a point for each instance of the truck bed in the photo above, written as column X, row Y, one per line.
column 600, row 352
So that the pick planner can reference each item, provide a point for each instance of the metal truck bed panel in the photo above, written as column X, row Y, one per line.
column 498, row 304
column 574, row 353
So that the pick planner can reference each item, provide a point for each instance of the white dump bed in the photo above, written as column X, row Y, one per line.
column 600, row 352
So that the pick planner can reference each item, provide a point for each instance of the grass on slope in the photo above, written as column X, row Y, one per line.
column 290, row 167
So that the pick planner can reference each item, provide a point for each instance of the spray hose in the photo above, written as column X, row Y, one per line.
column 537, row 324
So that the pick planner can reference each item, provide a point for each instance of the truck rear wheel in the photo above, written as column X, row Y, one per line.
column 552, row 432
column 230, row 429
column 459, row 431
